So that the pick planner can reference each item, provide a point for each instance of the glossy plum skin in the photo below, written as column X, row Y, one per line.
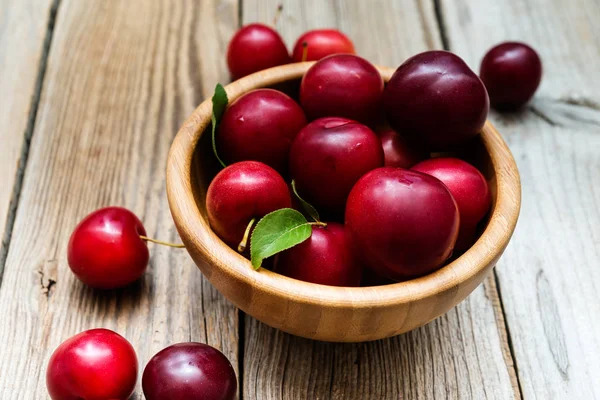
column 189, row 371
column 97, row 364
column 342, row 85
column 105, row 250
column 436, row 99
column 260, row 126
column 468, row 187
column 253, row 48
column 511, row 72
column 403, row 223
column 325, row 258
column 321, row 43
column 398, row 152
column 328, row 156
column 240, row 192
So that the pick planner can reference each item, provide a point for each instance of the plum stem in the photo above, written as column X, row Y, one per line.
column 277, row 15
column 319, row 223
column 304, row 51
column 244, row 243
column 177, row 246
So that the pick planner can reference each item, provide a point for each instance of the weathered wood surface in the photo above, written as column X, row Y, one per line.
column 549, row 276
column 464, row 354
column 121, row 77
column 23, row 28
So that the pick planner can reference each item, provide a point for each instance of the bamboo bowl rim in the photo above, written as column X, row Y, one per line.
column 196, row 233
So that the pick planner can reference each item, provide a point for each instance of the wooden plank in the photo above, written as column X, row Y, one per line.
column 549, row 276
column 463, row 354
column 23, row 27
column 121, row 78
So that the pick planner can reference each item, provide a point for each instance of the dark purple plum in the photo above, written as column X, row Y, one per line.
column 511, row 72
column 189, row 371
column 436, row 99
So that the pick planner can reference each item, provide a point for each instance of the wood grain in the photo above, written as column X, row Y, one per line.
column 463, row 354
column 23, row 28
column 549, row 276
column 121, row 78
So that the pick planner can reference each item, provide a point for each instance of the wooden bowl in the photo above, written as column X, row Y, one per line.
column 336, row 314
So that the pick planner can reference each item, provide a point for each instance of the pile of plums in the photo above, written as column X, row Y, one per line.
column 388, row 207
column 359, row 153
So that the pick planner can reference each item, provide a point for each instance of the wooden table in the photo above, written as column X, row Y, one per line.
column 92, row 93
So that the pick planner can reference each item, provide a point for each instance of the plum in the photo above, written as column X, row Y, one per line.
column 320, row 43
column 511, row 72
column 189, row 371
column 402, row 223
column 94, row 364
column 342, row 85
column 241, row 192
column 328, row 156
column 468, row 187
column 260, row 126
column 106, row 251
column 398, row 152
column 325, row 258
column 253, row 48
column 436, row 99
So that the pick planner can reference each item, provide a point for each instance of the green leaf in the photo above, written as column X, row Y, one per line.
column 219, row 103
column 310, row 210
column 276, row 232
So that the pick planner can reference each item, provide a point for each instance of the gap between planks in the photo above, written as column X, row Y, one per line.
column 441, row 23
column 511, row 358
column 27, row 136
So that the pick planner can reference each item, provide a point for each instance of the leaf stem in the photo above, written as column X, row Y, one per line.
column 244, row 243
column 304, row 51
column 310, row 210
column 177, row 246
column 318, row 223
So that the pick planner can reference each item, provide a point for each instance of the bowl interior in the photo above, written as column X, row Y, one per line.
column 204, row 165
